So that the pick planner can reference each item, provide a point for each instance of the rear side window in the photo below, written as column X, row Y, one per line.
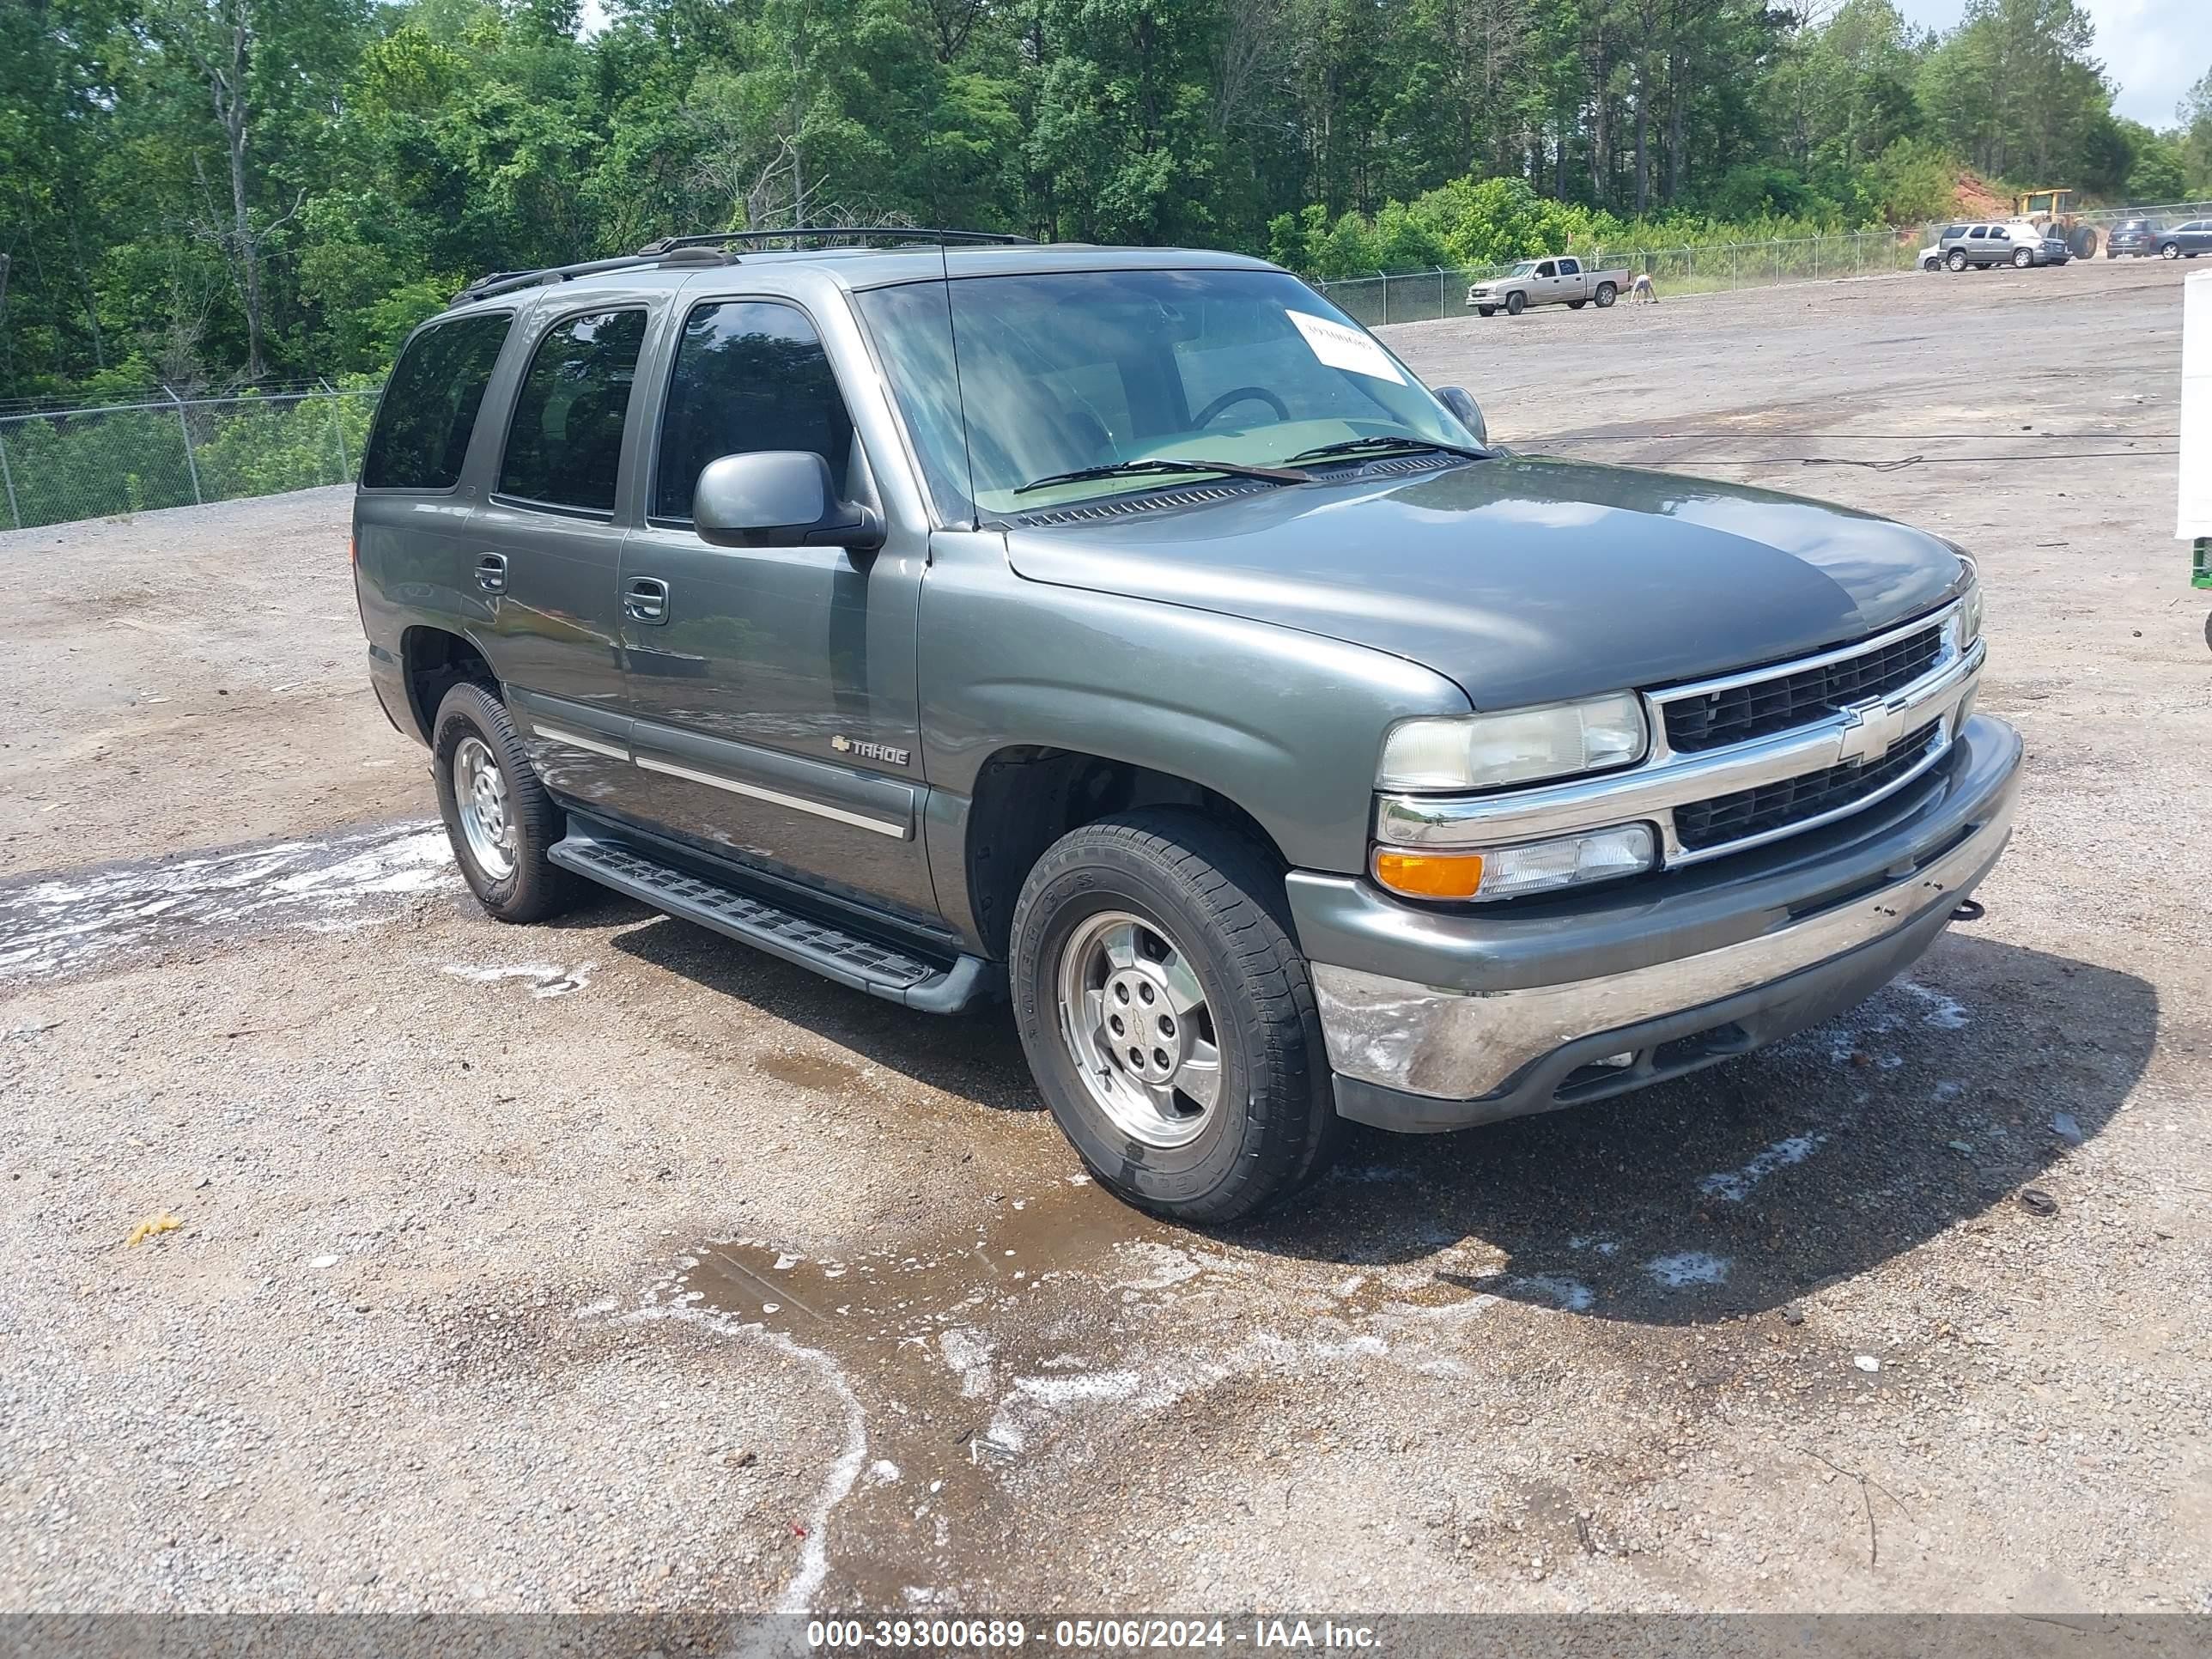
column 431, row 404
column 750, row 375
column 565, row 444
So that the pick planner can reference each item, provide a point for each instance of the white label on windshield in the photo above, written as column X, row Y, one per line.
column 1346, row 348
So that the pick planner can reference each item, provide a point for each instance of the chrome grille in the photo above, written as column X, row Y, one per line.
column 1791, row 698
column 1747, row 814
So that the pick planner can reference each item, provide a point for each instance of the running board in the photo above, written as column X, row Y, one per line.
column 835, row 952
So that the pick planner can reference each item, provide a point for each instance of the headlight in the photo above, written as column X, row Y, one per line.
column 1517, row 745
column 1970, row 609
column 1519, row 870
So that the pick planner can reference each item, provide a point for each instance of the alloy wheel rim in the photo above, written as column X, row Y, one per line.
column 480, row 793
column 1139, row 1027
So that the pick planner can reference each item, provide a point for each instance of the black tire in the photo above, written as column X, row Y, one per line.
column 1932, row 262
column 1515, row 304
column 2021, row 258
column 1218, row 896
column 2169, row 250
column 1607, row 293
column 535, row 888
column 1485, row 311
column 1576, row 305
column 1956, row 258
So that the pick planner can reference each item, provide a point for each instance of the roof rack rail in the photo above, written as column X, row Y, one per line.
column 860, row 233
column 506, row 282
column 704, row 250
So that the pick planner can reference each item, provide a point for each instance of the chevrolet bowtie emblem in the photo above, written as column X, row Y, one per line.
column 1873, row 732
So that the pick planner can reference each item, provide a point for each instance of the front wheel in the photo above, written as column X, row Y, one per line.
column 1485, row 311
column 1576, row 305
column 1607, row 293
column 1515, row 304
column 1167, row 1015
column 2170, row 251
column 498, row 815
column 1931, row 263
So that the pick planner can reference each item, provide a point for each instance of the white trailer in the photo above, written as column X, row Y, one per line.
column 2193, row 521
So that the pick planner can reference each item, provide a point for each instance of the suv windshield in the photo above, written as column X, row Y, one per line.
column 1073, row 371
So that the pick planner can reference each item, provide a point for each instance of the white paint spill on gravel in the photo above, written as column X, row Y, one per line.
column 1944, row 1012
column 1686, row 1269
column 545, row 979
column 1734, row 1186
column 65, row 925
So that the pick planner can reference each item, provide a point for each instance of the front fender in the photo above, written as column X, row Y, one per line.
column 1287, row 725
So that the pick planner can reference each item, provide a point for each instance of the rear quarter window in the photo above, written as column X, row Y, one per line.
column 430, row 402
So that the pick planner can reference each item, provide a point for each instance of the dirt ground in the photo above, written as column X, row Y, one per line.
column 607, row 1265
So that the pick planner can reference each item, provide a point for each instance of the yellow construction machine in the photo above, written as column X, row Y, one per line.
column 2052, row 212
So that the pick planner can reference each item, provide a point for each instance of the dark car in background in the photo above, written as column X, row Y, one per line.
column 2136, row 236
column 2185, row 241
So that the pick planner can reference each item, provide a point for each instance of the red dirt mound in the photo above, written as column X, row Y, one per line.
column 1976, row 199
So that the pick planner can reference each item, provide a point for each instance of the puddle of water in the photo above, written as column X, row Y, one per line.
column 981, row 1359
column 65, row 925
column 817, row 1071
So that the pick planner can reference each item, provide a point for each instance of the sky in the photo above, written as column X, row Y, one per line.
column 2153, row 50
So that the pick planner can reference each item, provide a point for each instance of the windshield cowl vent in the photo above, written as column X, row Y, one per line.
column 1122, row 506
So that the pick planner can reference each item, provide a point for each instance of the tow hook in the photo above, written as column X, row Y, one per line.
column 1968, row 910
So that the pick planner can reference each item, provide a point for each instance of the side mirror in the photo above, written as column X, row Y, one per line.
column 1461, row 403
column 779, row 498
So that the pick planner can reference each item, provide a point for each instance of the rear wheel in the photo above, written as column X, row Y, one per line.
column 1956, row 258
column 1167, row 1015
column 498, row 815
column 1515, row 304
column 1607, row 293
column 1576, row 305
column 2021, row 258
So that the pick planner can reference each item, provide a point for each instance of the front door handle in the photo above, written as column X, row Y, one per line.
column 645, row 600
column 491, row 572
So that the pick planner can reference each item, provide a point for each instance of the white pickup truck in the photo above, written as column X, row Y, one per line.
column 1562, row 281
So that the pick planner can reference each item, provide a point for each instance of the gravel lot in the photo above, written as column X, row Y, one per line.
column 609, row 1265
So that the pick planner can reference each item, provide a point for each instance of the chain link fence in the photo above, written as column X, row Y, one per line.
column 1423, row 296
column 60, row 464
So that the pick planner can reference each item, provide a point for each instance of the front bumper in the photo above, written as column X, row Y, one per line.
column 1438, row 1020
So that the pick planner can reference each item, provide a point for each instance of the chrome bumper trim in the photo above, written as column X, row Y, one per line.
column 1652, row 789
column 1462, row 1045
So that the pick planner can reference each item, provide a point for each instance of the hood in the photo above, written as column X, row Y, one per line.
column 1525, row 580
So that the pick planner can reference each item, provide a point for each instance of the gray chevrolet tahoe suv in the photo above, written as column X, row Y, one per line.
column 1127, row 632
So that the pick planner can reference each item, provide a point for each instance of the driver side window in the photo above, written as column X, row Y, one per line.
column 750, row 375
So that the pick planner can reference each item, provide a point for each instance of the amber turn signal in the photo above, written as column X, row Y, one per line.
column 1429, row 875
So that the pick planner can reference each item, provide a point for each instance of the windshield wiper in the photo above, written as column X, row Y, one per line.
column 1287, row 474
column 1364, row 446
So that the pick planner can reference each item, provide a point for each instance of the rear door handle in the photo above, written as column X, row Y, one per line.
column 491, row 572
column 645, row 600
